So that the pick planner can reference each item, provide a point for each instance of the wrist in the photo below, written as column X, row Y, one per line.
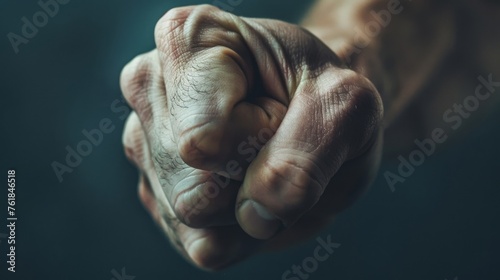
column 398, row 48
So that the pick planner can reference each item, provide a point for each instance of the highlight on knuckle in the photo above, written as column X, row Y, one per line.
column 183, row 24
column 171, row 20
column 135, row 79
column 133, row 141
column 360, row 100
column 354, row 104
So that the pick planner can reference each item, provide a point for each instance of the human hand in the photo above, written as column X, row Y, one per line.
column 246, row 130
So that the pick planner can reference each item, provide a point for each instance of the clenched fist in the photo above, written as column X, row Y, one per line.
column 249, row 133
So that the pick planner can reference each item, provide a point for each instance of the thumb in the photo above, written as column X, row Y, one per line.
column 331, row 119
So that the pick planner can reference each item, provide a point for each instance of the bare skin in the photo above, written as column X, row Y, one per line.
column 251, row 134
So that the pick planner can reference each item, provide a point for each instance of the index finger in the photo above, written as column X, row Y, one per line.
column 208, row 73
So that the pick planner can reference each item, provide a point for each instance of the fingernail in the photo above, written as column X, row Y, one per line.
column 257, row 221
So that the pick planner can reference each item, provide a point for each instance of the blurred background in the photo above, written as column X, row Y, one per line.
column 442, row 223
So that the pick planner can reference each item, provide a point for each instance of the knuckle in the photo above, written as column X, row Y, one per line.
column 182, row 23
column 181, row 14
column 169, row 23
column 174, row 15
column 191, row 151
column 359, row 98
column 133, row 140
column 205, row 253
column 193, row 200
column 183, row 211
column 200, row 145
column 355, row 107
column 297, row 185
column 135, row 79
column 147, row 197
column 188, row 209
column 365, row 111
column 366, row 107
column 177, row 13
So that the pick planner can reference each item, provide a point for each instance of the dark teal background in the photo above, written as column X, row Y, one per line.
column 441, row 223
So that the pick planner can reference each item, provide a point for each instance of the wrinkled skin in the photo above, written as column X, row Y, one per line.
column 214, row 81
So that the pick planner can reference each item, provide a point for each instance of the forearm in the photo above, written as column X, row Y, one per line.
column 398, row 45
